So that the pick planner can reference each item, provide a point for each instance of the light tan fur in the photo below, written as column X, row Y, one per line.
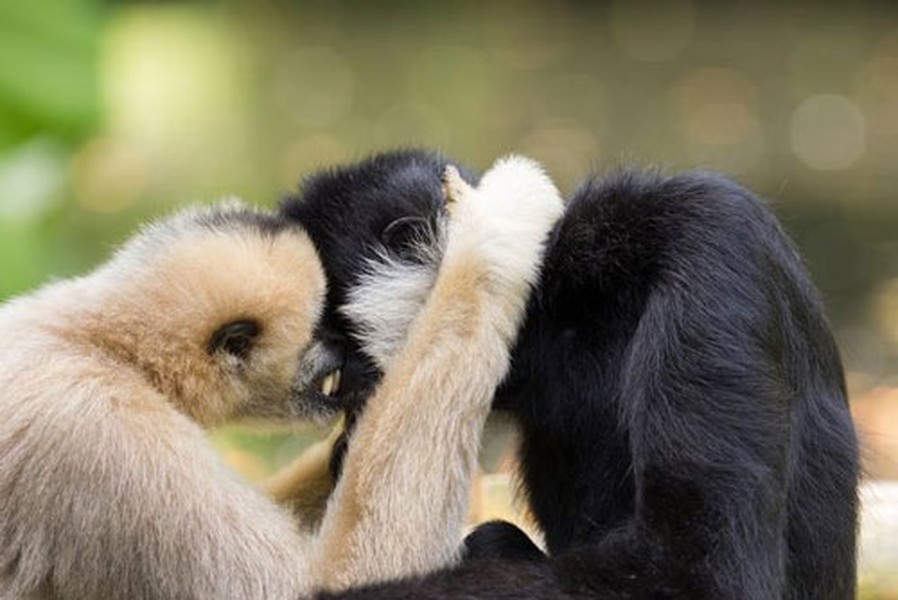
column 108, row 486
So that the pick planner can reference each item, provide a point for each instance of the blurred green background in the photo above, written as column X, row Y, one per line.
column 111, row 113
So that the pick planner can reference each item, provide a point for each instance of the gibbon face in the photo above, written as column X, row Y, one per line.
column 219, row 309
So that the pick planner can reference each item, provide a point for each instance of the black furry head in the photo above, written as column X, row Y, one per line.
column 374, row 209
column 359, row 211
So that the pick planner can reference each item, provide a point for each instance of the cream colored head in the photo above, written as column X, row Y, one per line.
column 217, row 310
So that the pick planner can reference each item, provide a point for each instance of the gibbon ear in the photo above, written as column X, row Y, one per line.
column 236, row 338
column 402, row 235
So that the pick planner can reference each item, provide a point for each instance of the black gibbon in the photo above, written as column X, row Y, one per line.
column 684, row 425
column 108, row 486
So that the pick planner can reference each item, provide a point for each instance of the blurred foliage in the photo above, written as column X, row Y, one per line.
column 48, row 70
column 114, row 112
column 257, row 453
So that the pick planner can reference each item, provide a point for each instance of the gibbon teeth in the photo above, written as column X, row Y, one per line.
column 330, row 385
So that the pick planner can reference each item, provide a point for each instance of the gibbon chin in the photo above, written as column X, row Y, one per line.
column 685, row 431
column 108, row 486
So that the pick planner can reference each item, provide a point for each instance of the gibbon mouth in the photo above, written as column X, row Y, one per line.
column 333, row 375
column 329, row 385
column 320, row 380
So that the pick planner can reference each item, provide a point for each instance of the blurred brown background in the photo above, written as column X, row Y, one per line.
column 114, row 112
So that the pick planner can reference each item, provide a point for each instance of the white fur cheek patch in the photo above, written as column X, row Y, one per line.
column 384, row 303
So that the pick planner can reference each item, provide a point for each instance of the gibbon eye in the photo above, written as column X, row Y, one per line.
column 401, row 236
column 235, row 338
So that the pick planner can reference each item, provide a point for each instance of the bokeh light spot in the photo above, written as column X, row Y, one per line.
column 828, row 132
column 718, row 106
column 169, row 74
column 31, row 179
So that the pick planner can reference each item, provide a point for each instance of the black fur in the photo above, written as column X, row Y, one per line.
column 498, row 539
column 685, row 426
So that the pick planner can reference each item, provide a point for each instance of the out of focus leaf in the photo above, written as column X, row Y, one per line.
column 48, row 69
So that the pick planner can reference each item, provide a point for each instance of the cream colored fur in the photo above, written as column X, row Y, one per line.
column 108, row 487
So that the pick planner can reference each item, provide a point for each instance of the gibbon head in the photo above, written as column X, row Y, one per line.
column 378, row 226
column 220, row 310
